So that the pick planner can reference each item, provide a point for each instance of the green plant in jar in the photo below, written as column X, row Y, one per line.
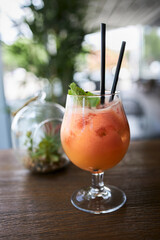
column 47, row 154
column 36, row 136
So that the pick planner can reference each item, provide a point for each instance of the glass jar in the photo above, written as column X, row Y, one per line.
column 35, row 134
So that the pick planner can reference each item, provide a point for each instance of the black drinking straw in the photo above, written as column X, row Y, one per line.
column 117, row 71
column 103, row 40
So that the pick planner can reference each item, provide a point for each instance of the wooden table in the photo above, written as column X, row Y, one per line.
column 38, row 206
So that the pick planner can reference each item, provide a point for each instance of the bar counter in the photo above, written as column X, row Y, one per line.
column 37, row 206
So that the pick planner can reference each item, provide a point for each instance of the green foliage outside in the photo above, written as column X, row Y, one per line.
column 58, row 32
column 151, row 45
column 27, row 54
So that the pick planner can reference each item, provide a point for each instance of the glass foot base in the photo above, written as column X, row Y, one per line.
column 94, row 201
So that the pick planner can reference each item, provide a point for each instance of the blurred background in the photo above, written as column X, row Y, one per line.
column 47, row 44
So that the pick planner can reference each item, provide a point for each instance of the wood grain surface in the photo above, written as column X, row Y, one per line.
column 38, row 206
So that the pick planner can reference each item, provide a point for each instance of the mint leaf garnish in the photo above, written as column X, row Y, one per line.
column 75, row 90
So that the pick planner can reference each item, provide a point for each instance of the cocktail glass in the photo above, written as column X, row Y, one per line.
column 96, row 139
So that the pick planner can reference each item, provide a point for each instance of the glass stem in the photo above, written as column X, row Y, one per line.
column 97, row 181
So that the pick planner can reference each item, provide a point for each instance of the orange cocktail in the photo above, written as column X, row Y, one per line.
column 95, row 139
